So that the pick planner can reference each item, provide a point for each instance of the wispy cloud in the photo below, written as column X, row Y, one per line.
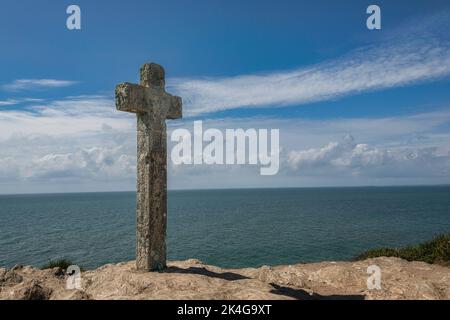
column 9, row 102
column 398, row 61
column 32, row 84
column 13, row 102
column 67, row 116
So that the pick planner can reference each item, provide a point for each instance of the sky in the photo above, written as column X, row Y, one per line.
column 354, row 106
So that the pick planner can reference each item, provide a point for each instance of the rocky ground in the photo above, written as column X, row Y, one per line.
column 193, row 280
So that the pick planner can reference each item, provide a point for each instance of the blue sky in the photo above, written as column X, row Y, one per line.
column 293, row 65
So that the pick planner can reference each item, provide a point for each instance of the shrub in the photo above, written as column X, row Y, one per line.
column 60, row 263
column 436, row 250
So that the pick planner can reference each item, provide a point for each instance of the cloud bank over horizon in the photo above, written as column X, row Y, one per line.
column 82, row 143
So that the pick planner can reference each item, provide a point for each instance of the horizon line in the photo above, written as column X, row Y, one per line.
column 238, row 188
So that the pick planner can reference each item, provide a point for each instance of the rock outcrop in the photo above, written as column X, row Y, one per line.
column 191, row 279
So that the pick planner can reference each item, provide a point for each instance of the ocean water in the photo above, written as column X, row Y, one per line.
column 228, row 228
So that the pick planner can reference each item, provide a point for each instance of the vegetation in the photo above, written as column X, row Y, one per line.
column 60, row 263
column 436, row 251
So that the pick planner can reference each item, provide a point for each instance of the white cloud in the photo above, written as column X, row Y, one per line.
column 9, row 102
column 82, row 143
column 95, row 163
column 70, row 116
column 73, row 144
column 411, row 149
column 399, row 61
column 347, row 157
column 12, row 102
column 32, row 84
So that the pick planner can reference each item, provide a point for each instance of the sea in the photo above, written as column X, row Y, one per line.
column 227, row 228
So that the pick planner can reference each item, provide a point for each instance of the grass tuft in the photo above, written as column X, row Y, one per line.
column 60, row 263
column 436, row 251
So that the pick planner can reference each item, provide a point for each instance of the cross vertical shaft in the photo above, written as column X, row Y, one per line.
column 152, row 106
column 151, row 210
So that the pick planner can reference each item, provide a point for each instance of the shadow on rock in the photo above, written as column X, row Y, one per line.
column 230, row 276
column 300, row 294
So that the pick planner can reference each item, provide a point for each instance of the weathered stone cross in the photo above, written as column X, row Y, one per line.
column 152, row 106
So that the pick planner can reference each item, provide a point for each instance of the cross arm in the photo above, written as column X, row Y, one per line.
column 175, row 108
column 131, row 98
column 139, row 99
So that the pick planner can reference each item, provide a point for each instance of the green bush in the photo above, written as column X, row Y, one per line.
column 436, row 250
column 60, row 263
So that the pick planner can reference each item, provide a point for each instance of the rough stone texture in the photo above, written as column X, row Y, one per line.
column 152, row 106
column 193, row 280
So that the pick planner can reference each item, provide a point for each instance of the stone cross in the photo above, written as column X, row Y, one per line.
column 152, row 106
